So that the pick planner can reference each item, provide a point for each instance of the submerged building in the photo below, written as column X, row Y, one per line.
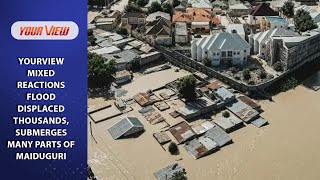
column 221, row 48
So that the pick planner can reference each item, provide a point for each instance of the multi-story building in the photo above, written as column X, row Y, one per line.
column 258, row 41
column 293, row 52
column 221, row 49
column 286, row 46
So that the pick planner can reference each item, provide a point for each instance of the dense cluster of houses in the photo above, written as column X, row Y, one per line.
column 223, row 33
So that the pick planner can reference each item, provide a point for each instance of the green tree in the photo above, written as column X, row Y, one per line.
column 206, row 62
column 122, row 30
column 100, row 71
column 303, row 21
column 212, row 96
column 187, row 87
column 180, row 175
column 262, row 74
column 173, row 148
column 226, row 114
column 176, row 3
column 288, row 9
column 155, row 6
column 131, row 7
column 167, row 8
column 278, row 66
column 246, row 74
column 91, row 38
column 142, row 3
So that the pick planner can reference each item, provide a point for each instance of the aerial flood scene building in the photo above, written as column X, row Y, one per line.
column 202, row 90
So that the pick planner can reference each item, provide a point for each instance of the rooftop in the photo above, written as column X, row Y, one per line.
column 156, row 15
column 181, row 29
column 218, row 135
column 123, row 126
column 224, row 41
column 200, row 147
column 133, row 14
column 263, row 10
column 167, row 172
column 239, row 6
column 106, row 50
column 182, row 132
column 242, row 110
column 238, row 27
column 224, row 94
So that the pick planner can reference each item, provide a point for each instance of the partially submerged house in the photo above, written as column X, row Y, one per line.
column 201, row 146
column 122, row 77
column 167, row 172
column 127, row 126
column 219, row 136
column 224, row 95
column 228, row 124
column 182, row 132
column 242, row 110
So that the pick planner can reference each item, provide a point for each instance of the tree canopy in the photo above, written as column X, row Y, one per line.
column 288, row 9
column 132, row 7
column 142, row 3
column 180, row 175
column 303, row 21
column 96, row 3
column 167, row 8
column 91, row 38
column 155, row 6
column 100, row 71
column 187, row 87
column 122, row 30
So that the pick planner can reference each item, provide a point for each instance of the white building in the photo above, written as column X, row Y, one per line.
column 238, row 28
column 221, row 48
column 259, row 41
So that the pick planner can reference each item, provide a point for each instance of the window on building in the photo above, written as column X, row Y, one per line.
column 214, row 53
column 218, row 53
column 206, row 52
column 238, row 52
column 262, row 54
column 224, row 54
column 229, row 53
column 234, row 53
column 245, row 51
column 263, row 46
